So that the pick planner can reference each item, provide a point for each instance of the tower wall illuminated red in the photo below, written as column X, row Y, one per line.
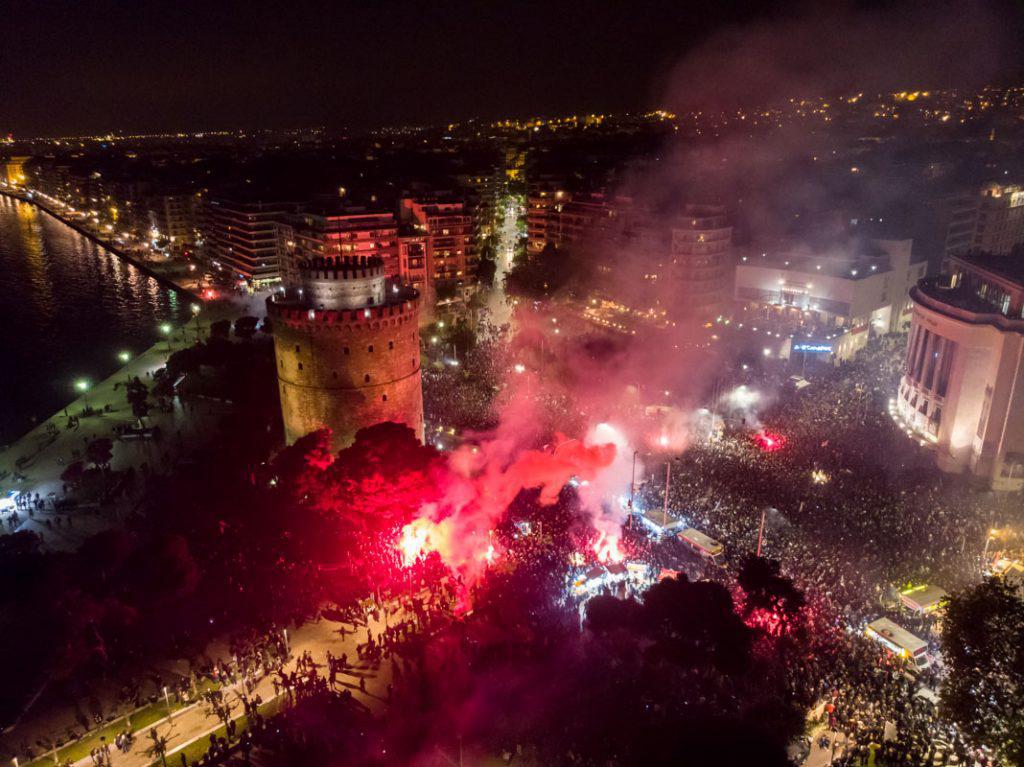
column 347, row 350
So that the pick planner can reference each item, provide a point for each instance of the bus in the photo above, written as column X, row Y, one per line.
column 702, row 545
column 900, row 642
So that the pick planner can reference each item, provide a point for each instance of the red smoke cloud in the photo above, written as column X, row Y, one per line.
column 485, row 478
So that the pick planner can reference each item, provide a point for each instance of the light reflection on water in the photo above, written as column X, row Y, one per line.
column 67, row 307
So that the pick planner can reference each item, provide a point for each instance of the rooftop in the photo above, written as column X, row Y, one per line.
column 855, row 267
column 962, row 303
column 1009, row 267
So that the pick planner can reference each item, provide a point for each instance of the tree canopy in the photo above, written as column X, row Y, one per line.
column 983, row 648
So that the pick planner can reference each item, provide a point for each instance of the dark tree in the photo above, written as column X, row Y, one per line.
column 137, row 393
column 767, row 589
column 245, row 327
column 486, row 270
column 983, row 648
column 543, row 274
column 694, row 624
column 220, row 329
column 100, row 452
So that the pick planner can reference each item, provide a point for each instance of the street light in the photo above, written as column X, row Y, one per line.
column 165, row 328
column 632, row 481
column 993, row 533
column 124, row 357
column 82, row 385
column 195, row 309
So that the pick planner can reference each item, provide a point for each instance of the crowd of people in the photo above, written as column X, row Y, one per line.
column 855, row 513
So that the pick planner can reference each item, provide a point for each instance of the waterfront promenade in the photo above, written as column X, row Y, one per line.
column 189, row 728
column 34, row 463
column 191, row 286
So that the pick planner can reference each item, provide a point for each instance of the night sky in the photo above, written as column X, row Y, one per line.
column 90, row 66
column 74, row 67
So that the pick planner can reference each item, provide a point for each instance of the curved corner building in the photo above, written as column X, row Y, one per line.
column 347, row 350
column 963, row 382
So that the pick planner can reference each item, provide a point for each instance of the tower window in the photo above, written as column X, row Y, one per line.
column 300, row 366
column 366, row 378
column 296, row 348
column 335, row 374
column 384, row 397
column 391, row 344
column 346, row 350
column 370, row 348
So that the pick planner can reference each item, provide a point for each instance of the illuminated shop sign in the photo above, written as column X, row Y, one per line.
column 812, row 346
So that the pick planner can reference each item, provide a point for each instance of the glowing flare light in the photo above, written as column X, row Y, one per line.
column 607, row 549
column 419, row 538
column 769, row 442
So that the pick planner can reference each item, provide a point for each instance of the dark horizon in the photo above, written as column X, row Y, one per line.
column 90, row 68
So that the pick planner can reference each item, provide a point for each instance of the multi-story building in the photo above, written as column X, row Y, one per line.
column 837, row 297
column 699, row 269
column 963, row 383
column 683, row 263
column 242, row 236
column 52, row 179
column 450, row 251
column 991, row 221
column 560, row 218
column 482, row 191
column 412, row 258
column 175, row 217
column 12, row 171
column 347, row 349
column 541, row 201
column 347, row 232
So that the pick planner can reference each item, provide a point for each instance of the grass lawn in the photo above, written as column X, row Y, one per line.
column 147, row 715
column 139, row 721
column 194, row 751
column 80, row 749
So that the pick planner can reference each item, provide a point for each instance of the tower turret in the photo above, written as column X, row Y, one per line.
column 347, row 349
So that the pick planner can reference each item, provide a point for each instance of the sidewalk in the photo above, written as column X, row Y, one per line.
column 193, row 725
column 46, row 454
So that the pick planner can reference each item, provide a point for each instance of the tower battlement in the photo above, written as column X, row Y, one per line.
column 290, row 308
column 341, row 268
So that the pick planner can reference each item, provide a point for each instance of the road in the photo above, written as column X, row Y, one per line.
column 499, row 308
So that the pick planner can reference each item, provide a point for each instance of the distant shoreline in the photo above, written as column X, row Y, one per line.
column 142, row 267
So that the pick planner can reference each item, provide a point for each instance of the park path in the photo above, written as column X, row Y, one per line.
column 318, row 637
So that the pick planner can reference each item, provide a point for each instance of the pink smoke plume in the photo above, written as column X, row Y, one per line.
column 486, row 477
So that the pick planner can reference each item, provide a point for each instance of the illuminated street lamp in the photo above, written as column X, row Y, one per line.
column 195, row 309
column 82, row 385
column 166, row 328
column 992, row 534
column 632, row 480
column 124, row 357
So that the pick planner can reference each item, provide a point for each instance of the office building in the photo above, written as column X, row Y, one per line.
column 242, row 236
column 963, row 384
column 990, row 221
column 834, row 299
